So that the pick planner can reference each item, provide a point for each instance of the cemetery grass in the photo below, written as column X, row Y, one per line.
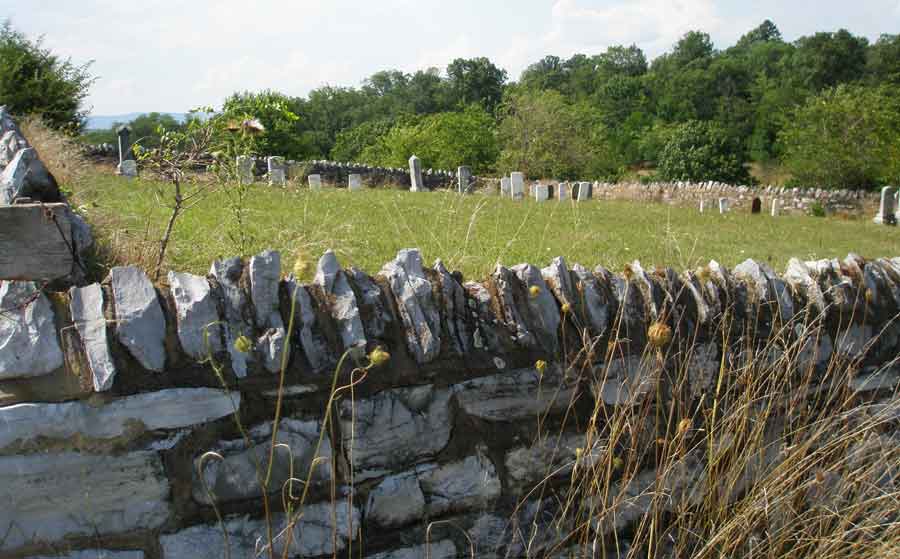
column 469, row 233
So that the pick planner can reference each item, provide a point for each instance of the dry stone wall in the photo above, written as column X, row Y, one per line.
column 22, row 175
column 113, row 396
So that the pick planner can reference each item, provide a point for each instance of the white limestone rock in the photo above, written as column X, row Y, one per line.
column 314, row 347
column 324, row 529
column 50, row 497
column 333, row 281
column 625, row 380
column 235, row 477
column 228, row 275
column 86, row 305
column 28, row 343
column 597, row 307
column 380, row 315
column 420, row 316
column 265, row 274
column 196, row 315
column 542, row 306
column 166, row 409
column 454, row 301
column 443, row 549
column 140, row 323
column 552, row 456
column 396, row 428
column 207, row 542
column 518, row 394
column 558, row 279
column 93, row 554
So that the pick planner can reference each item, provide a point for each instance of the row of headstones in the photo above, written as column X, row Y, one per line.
column 889, row 207
column 513, row 187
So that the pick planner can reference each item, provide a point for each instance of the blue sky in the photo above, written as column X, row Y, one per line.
column 171, row 56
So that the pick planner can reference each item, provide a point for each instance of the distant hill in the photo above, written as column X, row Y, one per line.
column 103, row 122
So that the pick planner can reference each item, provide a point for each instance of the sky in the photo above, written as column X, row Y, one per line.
column 171, row 56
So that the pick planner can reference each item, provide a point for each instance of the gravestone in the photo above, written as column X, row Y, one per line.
column 245, row 169
column 517, row 185
column 584, row 191
column 276, row 169
column 723, row 205
column 315, row 182
column 126, row 154
column 702, row 204
column 415, row 175
column 463, row 179
column 505, row 187
column 776, row 205
column 757, row 206
column 541, row 192
column 354, row 182
column 887, row 213
column 562, row 191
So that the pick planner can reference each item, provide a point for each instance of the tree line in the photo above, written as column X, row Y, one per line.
column 824, row 109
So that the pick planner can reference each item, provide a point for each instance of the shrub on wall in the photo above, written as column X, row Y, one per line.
column 702, row 151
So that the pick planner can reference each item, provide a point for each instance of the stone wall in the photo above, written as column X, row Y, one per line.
column 110, row 407
column 22, row 174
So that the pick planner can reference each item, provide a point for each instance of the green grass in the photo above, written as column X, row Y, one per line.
column 469, row 233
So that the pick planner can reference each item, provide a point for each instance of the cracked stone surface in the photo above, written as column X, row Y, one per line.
column 140, row 323
column 420, row 316
column 86, row 306
column 444, row 549
column 468, row 484
column 195, row 315
column 28, row 343
column 518, row 394
column 333, row 281
column 542, row 306
column 228, row 275
column 454, row 302
column 396, row 428
column 265, row 275
column 314, row 346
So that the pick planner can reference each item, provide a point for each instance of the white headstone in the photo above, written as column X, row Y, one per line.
column 562, row 191
column 245, row 169
column 128, row 168
column 415, row 175
column 776, row 205
column 517, row 185
column 276, row 169
column 584, row 191
column 702, row 204
column 723, row 205
column 887, row 213
column 315, row 182
column 354, row 182
column 505, row 188
column 541, row 192
column 463, row 178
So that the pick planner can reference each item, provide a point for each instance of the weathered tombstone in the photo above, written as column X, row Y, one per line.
column 126, row 154
column 584, row 191
column 354, row 181
column 541, row 192
column 245, row 169
column 702, row 204
column 463, row 178
column 757, row 206
column 415, row 175
column 315, row 182
column 505, row 187
column 276, row 169
column 776, row 205
column 562, row 191
column 886, row 212
column 517, row 185
column 723, row 205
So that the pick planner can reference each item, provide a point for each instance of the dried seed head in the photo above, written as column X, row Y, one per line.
column 243, row 344
column 379, row 357
column 659, row 335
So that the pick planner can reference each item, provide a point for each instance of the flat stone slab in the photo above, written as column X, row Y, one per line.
column 140, row 323
column 86, row 305
column 93, row 554
column 28, row 343
column 444, row 549
column 265, row 276
column 518, row 394
column 333, row 281
column 420, row 316
column 166, row 409
column 49, row 497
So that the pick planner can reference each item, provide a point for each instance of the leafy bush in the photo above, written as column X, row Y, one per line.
column 274, row 110
column 702, row 151
column 35, row 81
column 846, row 137
column 350, row 144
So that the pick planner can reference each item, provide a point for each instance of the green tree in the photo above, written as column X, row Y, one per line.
column 827, row 59
column 767, row 32
column 146, row 128
column 701, row 151
column 845, row 137
column 476, row 80
column 33, row 80
column 351, row 143
column 274, row 111
column 883, row 60
column 442, row 141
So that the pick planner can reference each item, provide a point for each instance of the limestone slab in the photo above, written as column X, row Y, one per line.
column 86, row 305
column 396, row 501
column 28, row 343
column 196, row 315
column 468, row 484
column 344, row 307
column 443, row 549
column 314, row 347
column 140, row 323
column 420, row 315
column 49, row 497
column 517, row 394
column 227, row 274
column 265, row 276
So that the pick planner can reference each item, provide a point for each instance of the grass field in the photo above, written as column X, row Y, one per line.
column 470, row 233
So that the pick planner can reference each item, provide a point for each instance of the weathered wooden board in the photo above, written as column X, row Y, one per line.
column 31, row 245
